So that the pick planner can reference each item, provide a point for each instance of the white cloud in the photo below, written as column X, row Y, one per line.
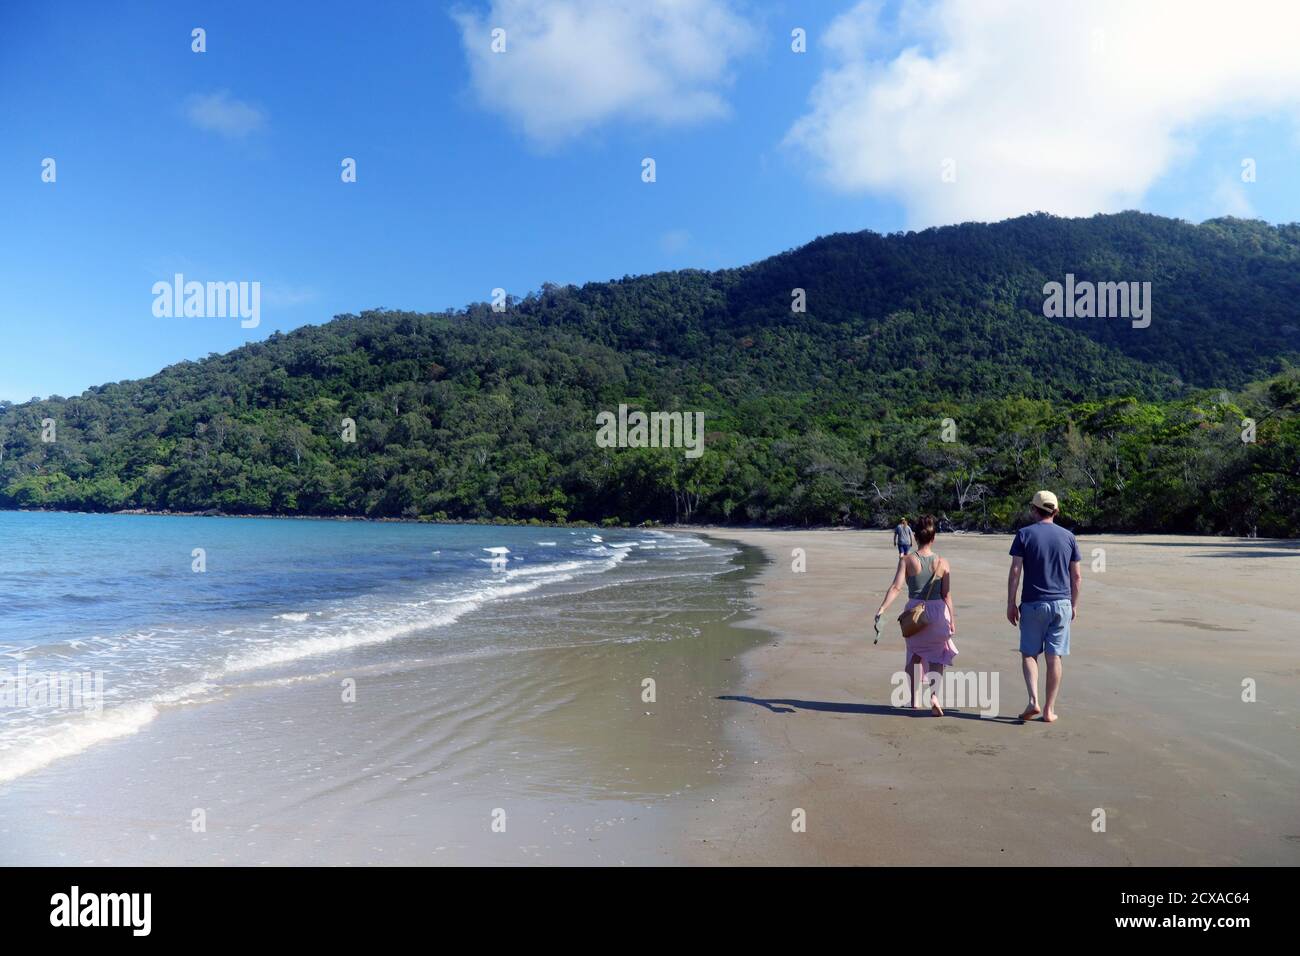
column 221, row 113
column 570, row 65
column 1070, row 106
column 1229, row 199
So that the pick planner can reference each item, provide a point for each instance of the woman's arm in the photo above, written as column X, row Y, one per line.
column 894, row 588
column 946, row 591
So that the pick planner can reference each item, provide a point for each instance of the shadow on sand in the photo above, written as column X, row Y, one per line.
column 783, row 706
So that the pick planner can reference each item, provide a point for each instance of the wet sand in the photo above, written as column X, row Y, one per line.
column 551, row 737
column 1153, row 728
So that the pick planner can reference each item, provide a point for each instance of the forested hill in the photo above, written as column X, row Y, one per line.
column 835, row 414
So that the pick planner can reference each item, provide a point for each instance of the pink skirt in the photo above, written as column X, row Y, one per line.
column 933, row 643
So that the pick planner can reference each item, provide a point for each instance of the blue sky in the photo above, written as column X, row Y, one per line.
column 478, row 169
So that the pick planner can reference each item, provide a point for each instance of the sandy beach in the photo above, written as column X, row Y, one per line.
column 771, row 702
column 1153, row 728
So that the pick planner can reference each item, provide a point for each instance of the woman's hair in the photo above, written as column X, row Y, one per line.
column 925, row 529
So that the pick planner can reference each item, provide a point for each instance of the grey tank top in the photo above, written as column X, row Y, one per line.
column 917, row 586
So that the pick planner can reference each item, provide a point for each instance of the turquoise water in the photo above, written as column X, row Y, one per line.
column 126, row 598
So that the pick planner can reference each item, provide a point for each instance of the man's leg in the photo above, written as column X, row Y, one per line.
column 1031, row 645
column 1053, row 685
column 1029, row 665
column 1058, row 645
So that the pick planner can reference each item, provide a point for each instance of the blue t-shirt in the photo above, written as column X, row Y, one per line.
column 1048, row 550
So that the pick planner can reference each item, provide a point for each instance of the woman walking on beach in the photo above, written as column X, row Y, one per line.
column 928, row 581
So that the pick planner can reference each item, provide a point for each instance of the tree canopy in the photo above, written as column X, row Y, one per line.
column 923, row 375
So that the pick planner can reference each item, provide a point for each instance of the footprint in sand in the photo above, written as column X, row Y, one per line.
column 992, row 750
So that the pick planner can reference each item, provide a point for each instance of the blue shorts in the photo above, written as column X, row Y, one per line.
column 904, row 548
column 1045, row 626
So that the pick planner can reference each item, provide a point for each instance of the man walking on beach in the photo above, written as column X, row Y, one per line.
column 1048, row 557
column 903, row 536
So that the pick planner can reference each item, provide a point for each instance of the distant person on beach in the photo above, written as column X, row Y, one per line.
column 1047, row 556
column 928, row 580
column 903, row 536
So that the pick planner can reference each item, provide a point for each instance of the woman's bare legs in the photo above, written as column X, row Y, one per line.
column 912, row 689
column 935, row 708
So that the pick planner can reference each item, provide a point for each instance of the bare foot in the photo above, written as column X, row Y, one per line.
column 1050, row 718
column 934, row 707
column 1031, row 712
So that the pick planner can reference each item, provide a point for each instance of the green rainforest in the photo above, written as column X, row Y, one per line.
column 919, row 374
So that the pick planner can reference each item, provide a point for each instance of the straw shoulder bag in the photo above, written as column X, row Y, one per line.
column 915, row 619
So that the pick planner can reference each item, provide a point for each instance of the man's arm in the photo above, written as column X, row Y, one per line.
column 1076, row 584
column 1013, row 586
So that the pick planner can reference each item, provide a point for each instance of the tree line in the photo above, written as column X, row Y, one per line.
column 921, row 377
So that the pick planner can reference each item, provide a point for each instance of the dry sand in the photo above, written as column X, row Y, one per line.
column 1153, row 726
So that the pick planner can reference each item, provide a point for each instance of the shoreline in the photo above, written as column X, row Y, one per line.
column 557, row 734
column 486, row 522
column 1152, row 732
column 539, row 523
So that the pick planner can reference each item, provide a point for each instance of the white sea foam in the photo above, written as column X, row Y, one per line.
column 411, row 618
column 32, row 749
column 185, row 693
column 557, row 568
column 82, row 731
column 72, row 737
column 273, row 654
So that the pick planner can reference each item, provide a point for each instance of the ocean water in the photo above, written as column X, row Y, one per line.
column 280, row 603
